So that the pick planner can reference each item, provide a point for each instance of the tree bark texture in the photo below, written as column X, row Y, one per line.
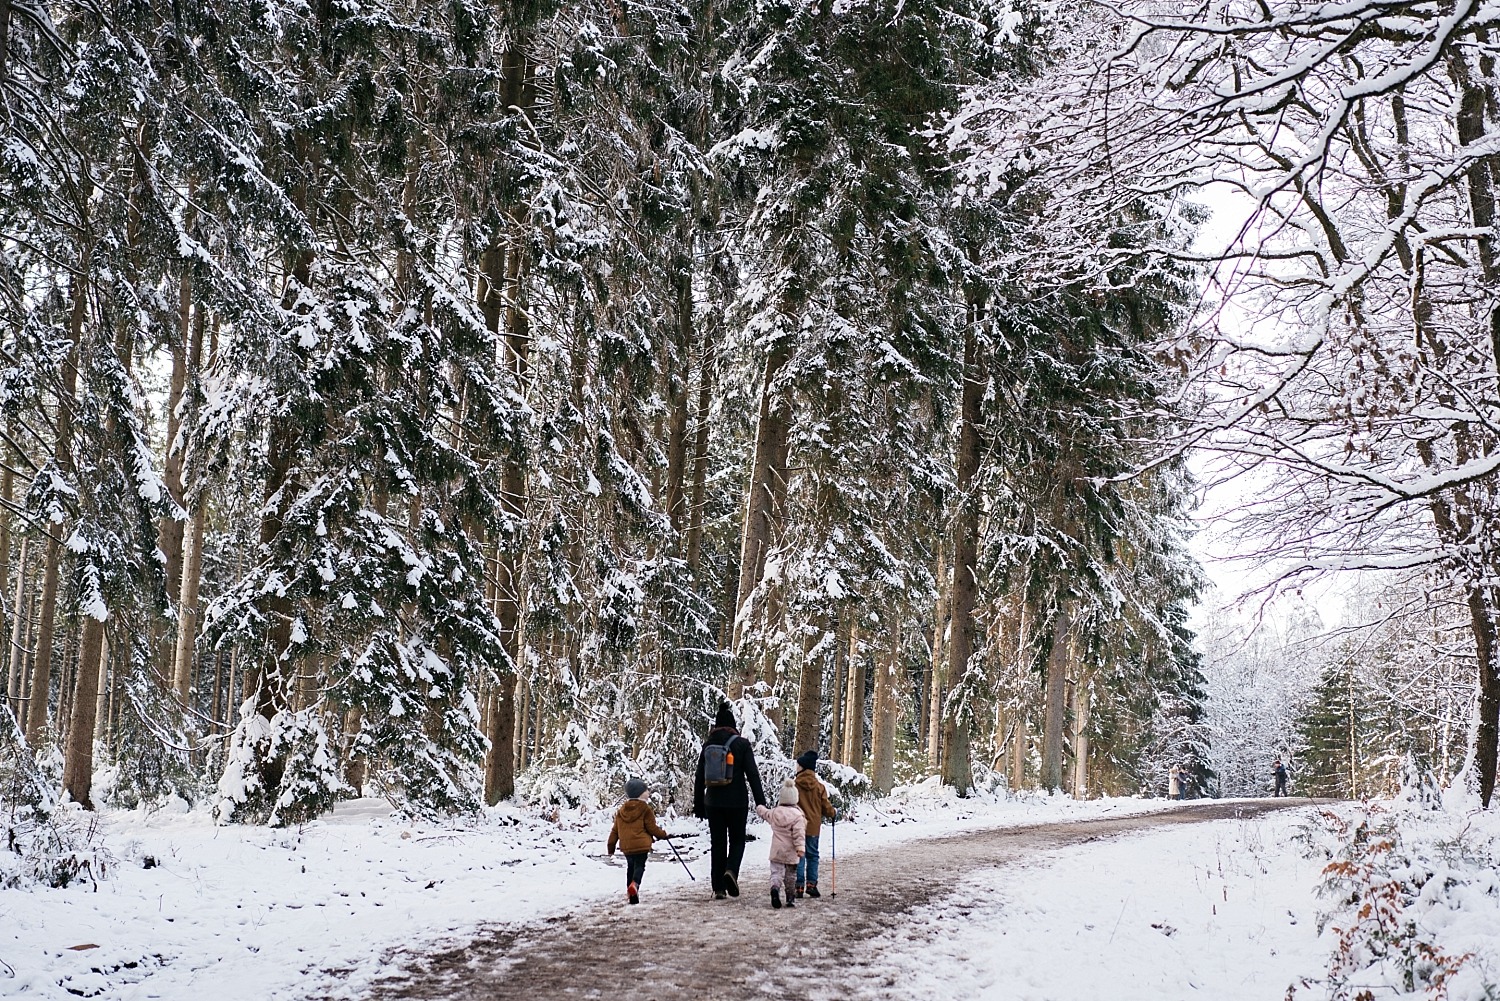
column 1473, row 100
column 171, row 530
column 887, row 706
column 854, row 706
column 839, row 683
column 16, row 675
column 958, row 715
column 1055, row 705
column 62, row 452
column 1082, row 711
column 184, row 660
column 678, row 377
column 78, row 761
column 934, row 719
column 760, row 501
column 500, row 764
column 700, row 464
column 815, row 645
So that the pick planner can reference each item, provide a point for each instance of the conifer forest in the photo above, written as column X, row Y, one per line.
column 454, row 402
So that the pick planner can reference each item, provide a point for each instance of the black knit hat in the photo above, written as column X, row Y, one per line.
column 634, row 788
column 808, row 760
column 725, row 716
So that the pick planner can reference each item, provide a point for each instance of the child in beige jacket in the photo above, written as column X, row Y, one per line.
column 788, row 833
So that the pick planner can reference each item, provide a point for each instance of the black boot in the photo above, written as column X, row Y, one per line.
column 776, row 898
column 812, row 891
column 732, row 884
column 720, row 895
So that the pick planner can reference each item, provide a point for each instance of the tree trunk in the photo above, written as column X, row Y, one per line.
column 41, row 664
column 883, row 732
column 16, row 676
column 78, row 763
column 187, row 604
column 171, row 529
column 272, row 683
column 4, row 41
column 189, row 538
column 760, row 499
column 62, row 451
column 356, row 765
column 1482, row 625
column 934, row 719
column 854, row 705
column 1082, row 710
column 102, row 733
column 958, row 715
column 1470, row 121
column 519, row 93
column 840, row 682
column 1056, row 704
column 1020, row 742
column 810, row 691
column 523, row 729
column 678, row 376
column 7, row 493
column 700, row 464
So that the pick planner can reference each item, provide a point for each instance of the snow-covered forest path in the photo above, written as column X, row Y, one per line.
column 681, row 943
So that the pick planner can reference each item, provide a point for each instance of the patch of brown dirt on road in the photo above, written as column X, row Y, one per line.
column 684, row 944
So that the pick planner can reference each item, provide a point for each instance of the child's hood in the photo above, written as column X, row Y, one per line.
column 784, row 816
column 633, row 810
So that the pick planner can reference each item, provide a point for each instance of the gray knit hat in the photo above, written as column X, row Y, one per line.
column 635, row 788
column 789, row 796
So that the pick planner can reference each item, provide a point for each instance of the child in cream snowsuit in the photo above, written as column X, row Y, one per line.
column 788, row 831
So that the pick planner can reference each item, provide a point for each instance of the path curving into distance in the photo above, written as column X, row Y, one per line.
column 680, row 943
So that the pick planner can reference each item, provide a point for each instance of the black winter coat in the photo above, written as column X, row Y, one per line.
column 736, row 795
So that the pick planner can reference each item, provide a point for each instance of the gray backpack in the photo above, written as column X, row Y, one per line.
column 718, row 764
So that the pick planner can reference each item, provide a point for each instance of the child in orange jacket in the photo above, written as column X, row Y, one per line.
column 635, row 831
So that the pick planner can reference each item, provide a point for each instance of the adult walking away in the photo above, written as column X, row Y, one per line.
column 1279, row 773
column 726, row 781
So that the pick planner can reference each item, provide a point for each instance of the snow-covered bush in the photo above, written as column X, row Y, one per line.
column 44, row 841
column 309, row 779
column 1413, row 898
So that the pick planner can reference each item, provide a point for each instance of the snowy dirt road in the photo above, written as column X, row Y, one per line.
column 680, row 940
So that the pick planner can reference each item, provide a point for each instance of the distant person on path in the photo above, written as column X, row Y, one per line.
column 788, row 834
column 635, row 832
column 813, row 798
column 1279, row 773
column 725, row 782
column 1174, row 783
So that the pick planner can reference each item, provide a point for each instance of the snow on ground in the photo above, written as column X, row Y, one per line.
column 257, row 914
column 1222, row 910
